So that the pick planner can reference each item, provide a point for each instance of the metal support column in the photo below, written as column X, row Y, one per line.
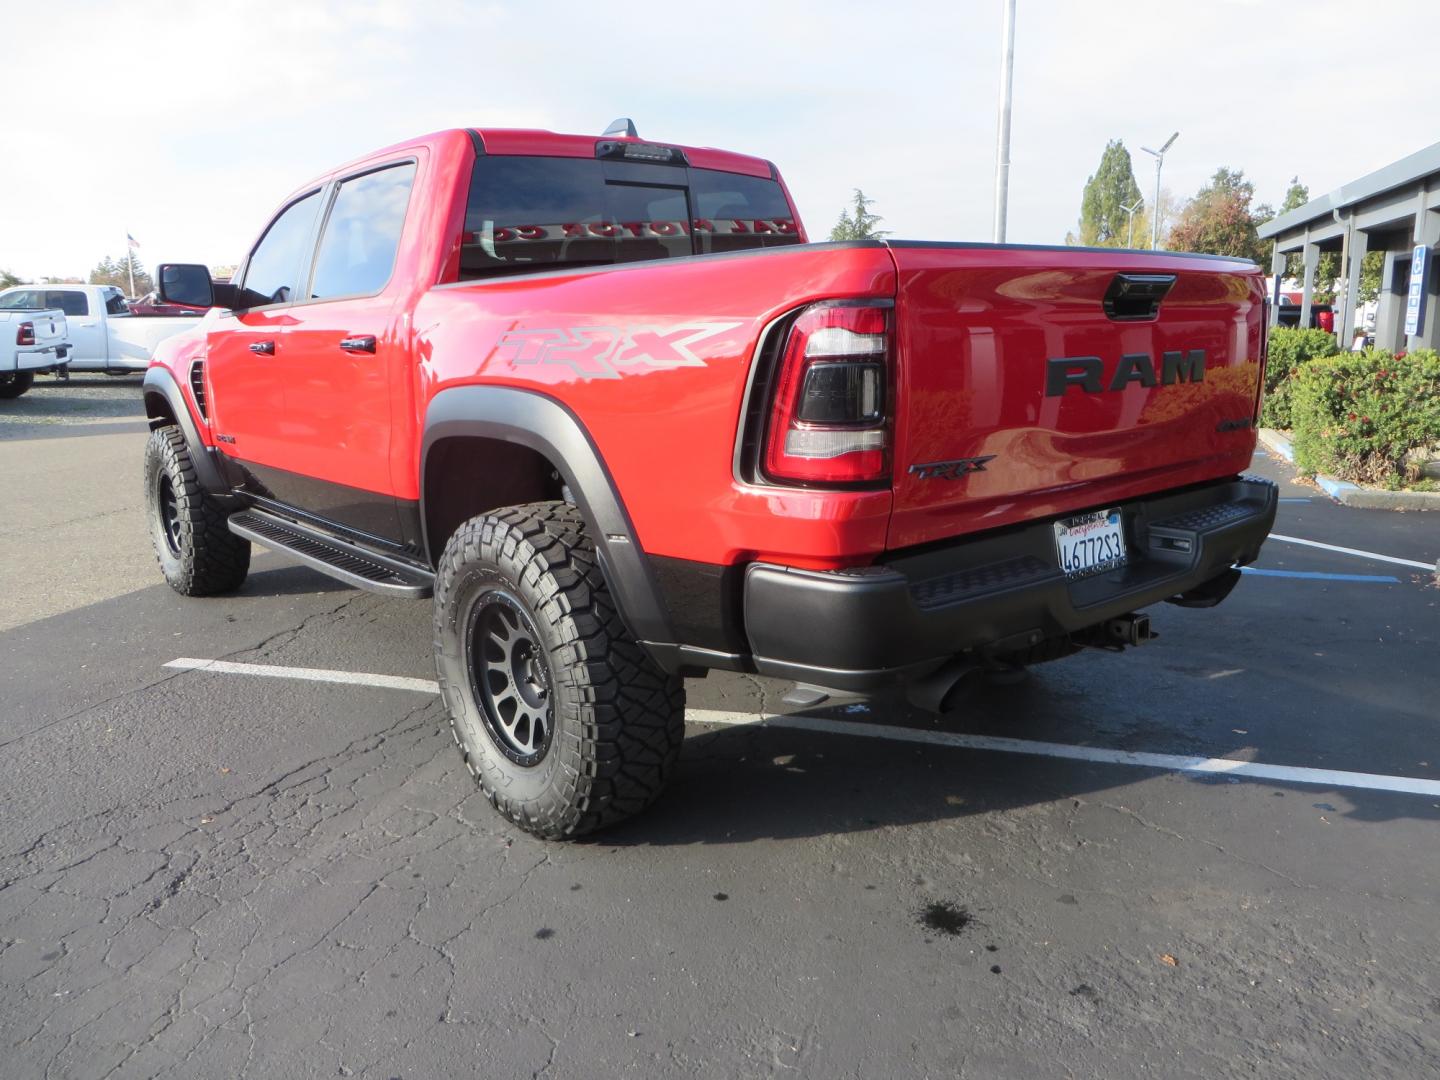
column 1358, row 246
column 1307, row 280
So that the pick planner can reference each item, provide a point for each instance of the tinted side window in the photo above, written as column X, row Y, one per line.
column 357, row 249
column 272, row 273
column 70, row 301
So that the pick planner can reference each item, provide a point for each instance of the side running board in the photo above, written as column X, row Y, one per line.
column 350, row 563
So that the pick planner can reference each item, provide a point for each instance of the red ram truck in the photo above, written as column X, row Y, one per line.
column 602, row 399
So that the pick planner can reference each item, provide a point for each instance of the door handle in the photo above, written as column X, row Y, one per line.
column 364, row 343
column 263, row 348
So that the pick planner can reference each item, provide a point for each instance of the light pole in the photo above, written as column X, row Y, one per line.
column 1159, row 156
column 1130, row 213
column 1002, row 134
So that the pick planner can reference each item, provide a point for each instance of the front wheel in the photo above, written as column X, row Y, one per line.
column 15, row 383
column 564, row 720
column 197, row 552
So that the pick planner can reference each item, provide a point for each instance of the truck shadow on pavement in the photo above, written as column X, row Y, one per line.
column 766, row 783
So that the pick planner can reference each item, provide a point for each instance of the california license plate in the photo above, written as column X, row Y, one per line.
column 1090, row 543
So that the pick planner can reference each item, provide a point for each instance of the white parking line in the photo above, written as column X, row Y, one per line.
column 275, row 671
column 1407, row 785
column 1354, row 551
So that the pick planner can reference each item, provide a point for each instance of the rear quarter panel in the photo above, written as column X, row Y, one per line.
column 653, row 359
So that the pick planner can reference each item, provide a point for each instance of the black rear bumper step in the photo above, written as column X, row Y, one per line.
column 341, row 559
column 999, row 591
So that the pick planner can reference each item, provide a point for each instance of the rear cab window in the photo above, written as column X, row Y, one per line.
column 526, row 214
column 23, row 300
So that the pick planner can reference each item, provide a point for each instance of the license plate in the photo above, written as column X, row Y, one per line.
column 1090, row 543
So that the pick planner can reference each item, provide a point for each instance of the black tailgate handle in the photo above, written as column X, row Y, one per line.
column 1133, row 297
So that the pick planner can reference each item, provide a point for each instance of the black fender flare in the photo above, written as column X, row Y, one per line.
column 160, row 383
column 546, row 426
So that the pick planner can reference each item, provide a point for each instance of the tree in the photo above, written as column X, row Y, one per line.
column 859, row 225
column 1102, row 221
column 1220, row 219
column 1296, row 196
column 116, row 272
column 8, row 279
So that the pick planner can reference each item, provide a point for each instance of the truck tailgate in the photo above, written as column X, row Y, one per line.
column 1024, row 393
column 49, row 326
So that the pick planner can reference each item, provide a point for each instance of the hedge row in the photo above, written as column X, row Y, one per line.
column 1286, row 350
column 1363, row 416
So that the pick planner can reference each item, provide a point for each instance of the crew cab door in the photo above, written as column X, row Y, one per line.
column 246, row 349
column 345, row 350
column 86, row 323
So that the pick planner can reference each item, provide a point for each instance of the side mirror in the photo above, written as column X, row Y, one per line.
column 186, row 283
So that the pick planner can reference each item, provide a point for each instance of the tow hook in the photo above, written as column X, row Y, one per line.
column 1118, row 632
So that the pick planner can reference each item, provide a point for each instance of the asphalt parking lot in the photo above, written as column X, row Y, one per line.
column 261, row 868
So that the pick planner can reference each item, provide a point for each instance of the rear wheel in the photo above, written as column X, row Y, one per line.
column 564, row 720
column 15, row 383
column 197, row 552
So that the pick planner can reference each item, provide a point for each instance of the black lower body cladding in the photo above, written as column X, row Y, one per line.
column 995, row 592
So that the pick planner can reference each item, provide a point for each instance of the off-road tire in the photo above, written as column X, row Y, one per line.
column 198, row 554
column 615, row 719
column 15, row 383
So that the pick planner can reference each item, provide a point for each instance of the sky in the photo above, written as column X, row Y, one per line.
column 186, row 124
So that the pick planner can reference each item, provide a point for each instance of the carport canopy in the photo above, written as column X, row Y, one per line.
column 1396, row 210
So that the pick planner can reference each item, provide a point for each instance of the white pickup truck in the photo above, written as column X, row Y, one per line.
column 30, row 342
column 104, row 335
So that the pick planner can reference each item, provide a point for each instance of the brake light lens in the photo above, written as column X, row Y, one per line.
column 25, row 334
column 830, row 420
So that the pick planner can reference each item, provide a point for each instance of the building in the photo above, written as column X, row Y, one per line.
column 1395, row 210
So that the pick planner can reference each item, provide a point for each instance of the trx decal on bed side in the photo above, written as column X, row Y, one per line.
column 604, row 352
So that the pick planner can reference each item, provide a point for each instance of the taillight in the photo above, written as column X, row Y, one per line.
column 830, row 419
column 25, row 334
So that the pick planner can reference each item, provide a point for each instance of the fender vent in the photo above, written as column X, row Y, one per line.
column 197, row 389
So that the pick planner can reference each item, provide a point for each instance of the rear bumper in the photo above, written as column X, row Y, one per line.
column 45, row 358
column 997, row 592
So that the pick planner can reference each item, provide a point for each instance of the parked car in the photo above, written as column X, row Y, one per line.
column 150, row 304
column 1322, row 316
column 104, row 335
column 32, row 342
column 601, row 399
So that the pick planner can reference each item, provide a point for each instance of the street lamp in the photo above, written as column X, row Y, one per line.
column 1130, row 213
column 1002, row 124
column 1159, row 156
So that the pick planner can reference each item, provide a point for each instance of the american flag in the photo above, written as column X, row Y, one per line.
column 132, row 241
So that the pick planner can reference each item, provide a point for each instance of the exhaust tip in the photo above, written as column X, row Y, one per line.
column 945, row 689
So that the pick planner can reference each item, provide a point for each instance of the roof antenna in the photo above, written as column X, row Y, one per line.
column 623, row 127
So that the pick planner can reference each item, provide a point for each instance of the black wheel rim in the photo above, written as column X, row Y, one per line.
column 169, row 514
column 510, row 676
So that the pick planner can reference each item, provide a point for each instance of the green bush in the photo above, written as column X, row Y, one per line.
column 1287, row 349
column 1358, row 415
